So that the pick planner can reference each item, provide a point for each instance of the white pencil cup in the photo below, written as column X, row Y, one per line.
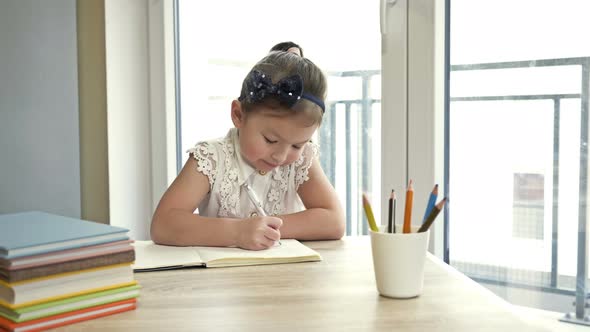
column 398, row 261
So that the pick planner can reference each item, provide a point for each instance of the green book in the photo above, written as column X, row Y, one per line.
column 41, row 310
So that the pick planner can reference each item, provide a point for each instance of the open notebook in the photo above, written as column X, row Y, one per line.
column 150, row 256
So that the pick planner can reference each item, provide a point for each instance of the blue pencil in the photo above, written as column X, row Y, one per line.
column 431, row 202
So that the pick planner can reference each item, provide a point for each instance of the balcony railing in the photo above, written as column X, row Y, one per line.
column 362, row 128
column 549, row 282
column 359, row 172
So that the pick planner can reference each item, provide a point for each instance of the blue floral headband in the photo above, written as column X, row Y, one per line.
column 288, row 90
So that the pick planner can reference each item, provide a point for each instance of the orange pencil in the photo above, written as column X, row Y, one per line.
column 408, row 210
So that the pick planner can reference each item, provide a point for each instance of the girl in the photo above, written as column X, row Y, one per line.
column 270, row 150
column 288, row 46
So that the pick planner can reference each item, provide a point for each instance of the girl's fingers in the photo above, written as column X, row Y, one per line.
column 267, row 243
column 274, row 222
column 273, row 234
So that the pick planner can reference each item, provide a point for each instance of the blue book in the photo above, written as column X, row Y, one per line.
column 31, row 233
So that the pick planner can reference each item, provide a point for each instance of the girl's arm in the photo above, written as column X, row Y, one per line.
column 174, row 223
column 323, row 218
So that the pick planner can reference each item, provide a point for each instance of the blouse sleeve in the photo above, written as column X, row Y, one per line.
column 206, row 156
column 302, row 165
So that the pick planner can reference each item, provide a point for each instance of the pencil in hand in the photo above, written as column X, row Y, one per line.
column 369, row 213
column 408, row 209
column 430, row 219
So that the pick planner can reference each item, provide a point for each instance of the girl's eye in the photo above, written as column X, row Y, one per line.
column 297, row 147
column 268, row 140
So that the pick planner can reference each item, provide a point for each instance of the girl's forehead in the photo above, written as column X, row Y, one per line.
column 302, row 114
column 293, row 126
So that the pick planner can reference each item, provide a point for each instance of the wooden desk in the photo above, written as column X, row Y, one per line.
column 338, row 293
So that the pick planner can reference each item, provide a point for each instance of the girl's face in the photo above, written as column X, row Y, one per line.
column 268, row 141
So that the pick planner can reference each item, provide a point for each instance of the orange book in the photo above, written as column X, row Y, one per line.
column 408, row 209
column 68, row 317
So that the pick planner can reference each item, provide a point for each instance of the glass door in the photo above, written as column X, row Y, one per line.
column 221, row 40
column 518, row 147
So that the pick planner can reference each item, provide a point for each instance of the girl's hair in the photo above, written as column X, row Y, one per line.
column 278, row 65
column 285, row 46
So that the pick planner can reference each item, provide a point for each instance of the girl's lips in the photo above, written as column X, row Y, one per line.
column 270, row 165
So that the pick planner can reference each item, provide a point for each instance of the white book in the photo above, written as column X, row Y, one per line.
column 150, row 256
column 62, row 285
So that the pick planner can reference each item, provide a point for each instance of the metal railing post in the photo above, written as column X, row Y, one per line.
column 582, row 272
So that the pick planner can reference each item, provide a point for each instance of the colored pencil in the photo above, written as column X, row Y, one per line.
column 431, row 202
column 369, row 213
column 390, row 216
column 408, row 209
column 254, row 199
column 257, row 203
column 394, row 205
column 432, row 215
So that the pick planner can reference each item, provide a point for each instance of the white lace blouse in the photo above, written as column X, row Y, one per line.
column 221, row 161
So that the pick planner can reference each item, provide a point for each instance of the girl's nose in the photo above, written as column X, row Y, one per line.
column 279, row 156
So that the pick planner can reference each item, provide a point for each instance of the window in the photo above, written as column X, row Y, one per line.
column 215, row 55
column 528, row 207
column 517, row 122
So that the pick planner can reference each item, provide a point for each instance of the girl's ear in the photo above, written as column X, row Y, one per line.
column 238, row 116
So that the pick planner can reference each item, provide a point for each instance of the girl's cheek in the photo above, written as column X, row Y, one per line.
column 293, row 157
column 254, row 151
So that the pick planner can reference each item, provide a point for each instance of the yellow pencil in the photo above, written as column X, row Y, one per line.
column 369, row 213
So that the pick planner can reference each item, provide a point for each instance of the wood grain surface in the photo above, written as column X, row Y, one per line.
column 338, row 293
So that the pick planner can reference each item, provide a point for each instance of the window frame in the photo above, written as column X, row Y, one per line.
column 413, row 145
column 414, row 84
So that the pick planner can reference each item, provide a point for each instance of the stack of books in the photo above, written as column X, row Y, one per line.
column 57, row 270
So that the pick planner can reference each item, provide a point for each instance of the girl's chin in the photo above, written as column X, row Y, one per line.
column 264, row 166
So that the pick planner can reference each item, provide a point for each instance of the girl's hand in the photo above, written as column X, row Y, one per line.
column 258, row 233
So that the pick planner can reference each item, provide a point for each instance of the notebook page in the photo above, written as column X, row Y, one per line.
column 149, row 255
column 288, row 251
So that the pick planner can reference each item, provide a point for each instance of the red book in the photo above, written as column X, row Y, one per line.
column 68, row 317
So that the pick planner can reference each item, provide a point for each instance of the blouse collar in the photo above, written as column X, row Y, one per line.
column 245, row 171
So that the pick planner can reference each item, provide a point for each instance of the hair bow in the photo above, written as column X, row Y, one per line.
column 260, row 86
